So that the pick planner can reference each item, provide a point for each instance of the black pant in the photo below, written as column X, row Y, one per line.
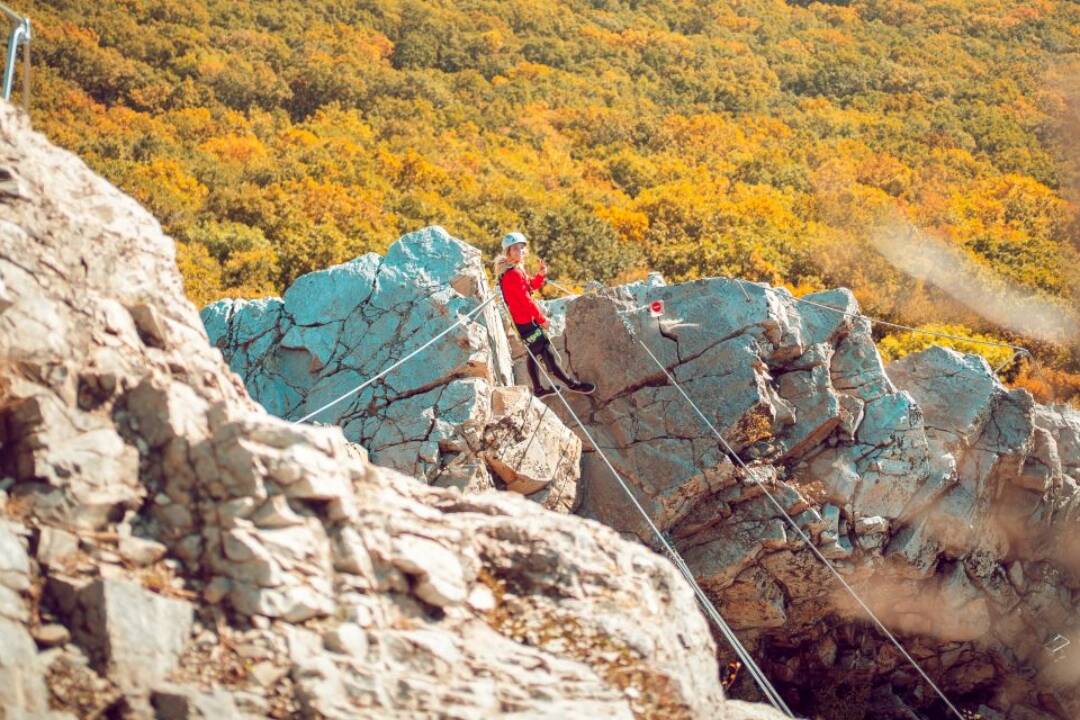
column 540, row 346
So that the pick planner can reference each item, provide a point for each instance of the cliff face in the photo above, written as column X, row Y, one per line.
column 949, row 502
column 448, row 416
column 168, row 548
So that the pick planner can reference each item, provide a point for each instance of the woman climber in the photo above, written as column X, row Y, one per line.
column 517, row 287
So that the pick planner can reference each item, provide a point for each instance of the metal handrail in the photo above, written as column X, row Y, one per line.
column 19, row 34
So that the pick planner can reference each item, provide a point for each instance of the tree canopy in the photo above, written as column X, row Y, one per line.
column 758, row 138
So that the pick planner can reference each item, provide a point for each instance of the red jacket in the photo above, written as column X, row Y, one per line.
column 517, row 287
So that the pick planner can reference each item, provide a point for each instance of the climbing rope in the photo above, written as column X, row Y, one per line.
column 886, row 323
column 399, row 363
column 763, row 682
column 565, row 289
column 528, row 446
column 1018, row 350
column 798, row 530
column 707, row 605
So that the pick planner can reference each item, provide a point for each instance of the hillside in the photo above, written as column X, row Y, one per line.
column 761, row 139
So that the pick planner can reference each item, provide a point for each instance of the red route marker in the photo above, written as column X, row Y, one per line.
column 656, row 308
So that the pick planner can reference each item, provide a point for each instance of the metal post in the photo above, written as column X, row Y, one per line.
column 19, row 34
column 12, row 53
column 26, row 68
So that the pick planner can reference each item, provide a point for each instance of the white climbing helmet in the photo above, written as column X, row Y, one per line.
column 514, row 238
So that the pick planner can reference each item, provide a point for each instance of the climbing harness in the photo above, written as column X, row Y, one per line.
column 707, row 605
column 399, row 363
column 20, row 35
column 791, row 521
column 533, row 336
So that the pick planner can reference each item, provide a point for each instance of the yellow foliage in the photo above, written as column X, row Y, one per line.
column 1049, row 385
column 164, row 186
column 1014, row 202
column 767, row 140
column 192, row 124
column 528, row 71
column 629, row 224
column 251, row 273
column 806, row 286
column 235, row 149
column 350, row 209
column 897, row 345
column 201, row 273
column 300, row 137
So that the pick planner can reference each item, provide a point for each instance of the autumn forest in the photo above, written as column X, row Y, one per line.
column 774, row 141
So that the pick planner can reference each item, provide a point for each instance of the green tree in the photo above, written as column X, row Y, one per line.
column 578, row 245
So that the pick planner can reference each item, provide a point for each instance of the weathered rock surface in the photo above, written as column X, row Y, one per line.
column 530, row 450
column 22, row 684
column 186, row 704
column 434, row 415
column 318, row 585
column 133, row 636
column 948, row 501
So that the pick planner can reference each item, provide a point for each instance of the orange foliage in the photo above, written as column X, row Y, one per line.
column 766, row 140
column 1048, row 385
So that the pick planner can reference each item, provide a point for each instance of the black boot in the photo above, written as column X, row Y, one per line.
column 543, row 392
column 582, row 388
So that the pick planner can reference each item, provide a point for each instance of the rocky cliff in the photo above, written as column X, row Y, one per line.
column 170, row 549
column 949, row 502
column 451, row 416
column 946, row 500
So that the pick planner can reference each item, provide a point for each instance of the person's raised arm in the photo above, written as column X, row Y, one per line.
column 537, row 280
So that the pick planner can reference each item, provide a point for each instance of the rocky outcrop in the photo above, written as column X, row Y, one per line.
column 170, row 549
column 445, row 415
column 946, row 500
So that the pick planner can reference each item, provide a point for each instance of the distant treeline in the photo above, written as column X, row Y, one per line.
column 756, row 138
